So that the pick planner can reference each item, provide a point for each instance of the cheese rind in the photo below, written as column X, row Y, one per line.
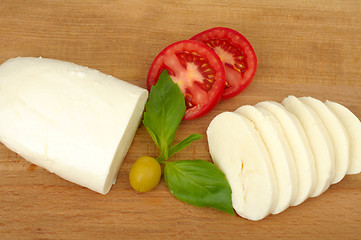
column 72, row 120
column 353, row 127
column 320, row 142
column 239, row 152
column 300, row 147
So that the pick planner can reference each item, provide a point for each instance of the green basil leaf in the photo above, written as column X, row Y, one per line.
column 184, row 143
column 165, row 109
column 199, row 183
column 181, row 145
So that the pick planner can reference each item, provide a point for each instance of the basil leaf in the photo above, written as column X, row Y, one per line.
column 181, row 145
column 184, row 143
column 165, row 109
column 199, row 183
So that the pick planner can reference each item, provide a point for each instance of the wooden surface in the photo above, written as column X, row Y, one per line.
column 303, row 48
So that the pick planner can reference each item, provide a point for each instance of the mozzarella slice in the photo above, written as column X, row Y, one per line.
column 238, row 150
column 280, row 152
column 74, row 121
column 319, row 141
column 302, row 153
column 337, row 133
column 353, row 127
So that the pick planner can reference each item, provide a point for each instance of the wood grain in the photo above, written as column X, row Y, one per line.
column 304, row 48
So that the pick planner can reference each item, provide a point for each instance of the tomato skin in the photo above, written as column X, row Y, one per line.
column 204, row 101
column 238, row 82
column 145, row 174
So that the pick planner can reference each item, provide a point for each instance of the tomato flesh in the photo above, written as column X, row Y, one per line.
column 196, row 69
column 237, row 55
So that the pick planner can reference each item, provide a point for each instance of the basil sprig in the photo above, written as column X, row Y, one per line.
column 165, row 109
column 196, row 182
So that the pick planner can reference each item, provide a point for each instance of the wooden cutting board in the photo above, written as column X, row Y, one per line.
column 304, row 48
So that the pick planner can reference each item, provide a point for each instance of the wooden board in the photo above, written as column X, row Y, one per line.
column 304, row 48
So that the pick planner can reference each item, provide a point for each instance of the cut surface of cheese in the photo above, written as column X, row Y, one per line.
column 319, row 140
column 298, row 142
column 280, row 153
column 337, row 133
column 72, row 120
column 239, row 152
column 353, row 127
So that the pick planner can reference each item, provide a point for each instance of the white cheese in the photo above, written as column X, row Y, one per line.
column 353, row 127
column 320, row 142
column 337, row 133
column 238, row 150
column 302, row 153
column 280, row 153
column 72, row 120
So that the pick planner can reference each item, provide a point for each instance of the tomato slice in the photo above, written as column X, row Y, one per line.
column 196, row 69
column 238, row 57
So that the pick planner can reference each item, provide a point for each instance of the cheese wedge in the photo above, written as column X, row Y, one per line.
column 280, row 153
column 337, row 133
column 72, row 120
column 300, row 147
column 320, row 142
column 353, row 127
column 239, row 152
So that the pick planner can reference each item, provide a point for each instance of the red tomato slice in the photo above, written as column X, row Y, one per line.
column 237, row 55
column 196, row 69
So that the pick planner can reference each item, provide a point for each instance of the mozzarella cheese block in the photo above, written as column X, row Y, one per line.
column 238, row 150
column 353, row 127
column 337, row 133
column 320, row 142
column 300, row 147
column 72, row 120
column 280, row 153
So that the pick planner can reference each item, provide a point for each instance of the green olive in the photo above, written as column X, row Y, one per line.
column 145, row 174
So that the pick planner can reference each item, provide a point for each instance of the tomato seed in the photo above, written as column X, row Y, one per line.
column 240, row 66
column 227, row 85
column 189, row 99
column 240, row 58
column 211, row 76
column 196, row 54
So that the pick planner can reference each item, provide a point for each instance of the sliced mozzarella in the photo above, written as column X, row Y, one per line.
column 319, row 141
column 300, row 147
column 238, row 150
column 337, row 133
column 280, row 153
column 74, row 121
column 353, row 127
